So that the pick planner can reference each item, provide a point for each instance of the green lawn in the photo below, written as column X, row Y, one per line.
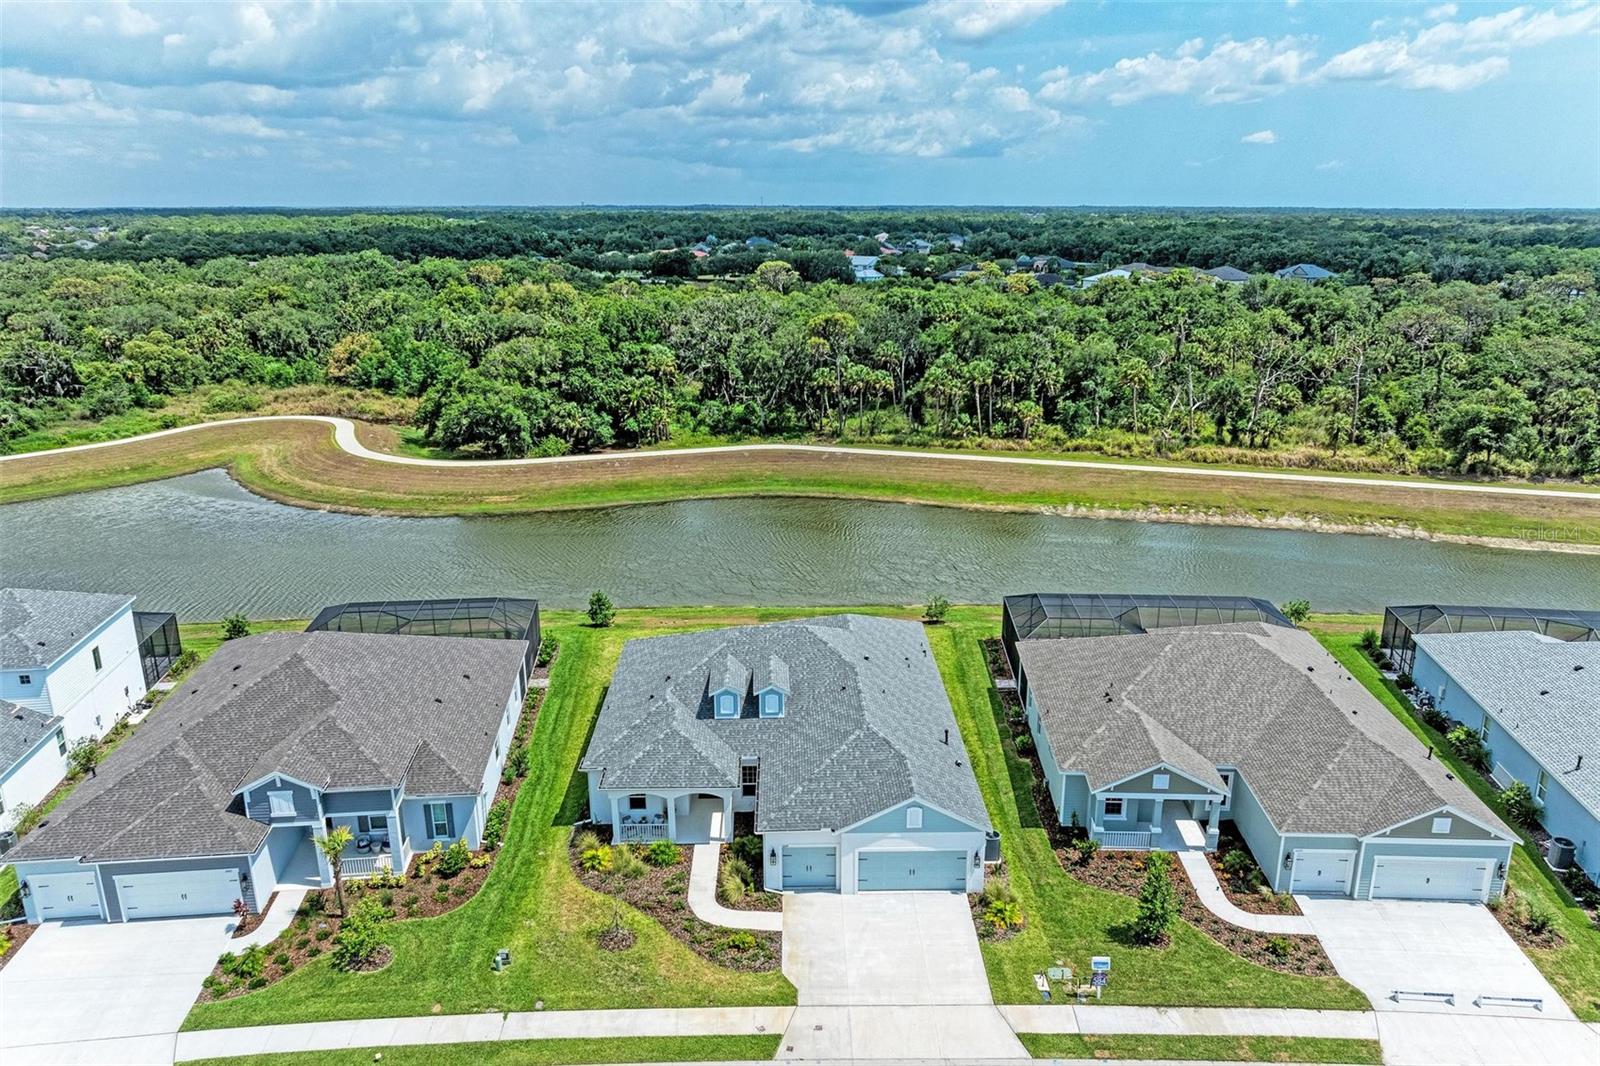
column 533, row 1052
column 1574, row 967
column 10, row 902
column 1208, row 1048
column 1069, row 921
column 531, row 904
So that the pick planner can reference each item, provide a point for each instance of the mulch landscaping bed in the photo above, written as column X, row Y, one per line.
column 420, row 895
column 252, row 922
column 1241, row 895
column 18, row 935
column 662, row 893
column 1123, row 872
column 1514, row 917
column 757, row 899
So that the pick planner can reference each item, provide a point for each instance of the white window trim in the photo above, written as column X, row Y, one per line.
column 1442, row 825
column 1105, row 808
column 1542, row 788
column 1159, row 782
column 913, row 817
column 725, row 698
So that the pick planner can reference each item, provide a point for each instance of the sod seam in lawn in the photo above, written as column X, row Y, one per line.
column 1209, row 1048
column 1574, row 967
column 564, row 1052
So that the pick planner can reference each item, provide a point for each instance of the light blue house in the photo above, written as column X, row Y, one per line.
column 833, row 735
column 1536, row 700
column 1303, row 272
column 1152, row 739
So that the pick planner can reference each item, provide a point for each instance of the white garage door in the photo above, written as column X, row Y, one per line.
column 1322, row 872
column 181, row 892
column 69, row 895
column 911, row 871
column 1413, row 878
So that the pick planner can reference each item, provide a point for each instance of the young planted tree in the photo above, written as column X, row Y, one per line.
column 1158, row 902
column 601, row 611
column 332, row 847
column 235, row 626
column 84, row 756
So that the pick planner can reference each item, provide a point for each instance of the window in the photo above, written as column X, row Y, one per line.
column 439, row 819
column 1441, row 825
column 61, row 742
column 1113, row 807
column 727, row 704
column 749, row 779
column 772, row 704
column 1227, row 787
column 1161, row 781
column 24, row 679
column 372, row 823
column 913, row 817
column 1541, row 787
column 281, row 804
column 497, row 749
column 96, row 653
column 636, row 803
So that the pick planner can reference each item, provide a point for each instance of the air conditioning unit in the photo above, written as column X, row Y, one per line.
column 8, row 840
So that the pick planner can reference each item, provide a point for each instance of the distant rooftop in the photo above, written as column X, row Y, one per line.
column 39, row 626
column 21, row 729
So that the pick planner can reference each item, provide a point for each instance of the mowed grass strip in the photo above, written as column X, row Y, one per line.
column 532, row 903
column 1068, row 921
column 529, row 1052
column 1201, row 1048
column 299, row 463
column 1574, row 966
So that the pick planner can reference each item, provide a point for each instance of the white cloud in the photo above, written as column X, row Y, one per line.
column 1230, row 72
column 1440, row 11
column 1331, row 164
column 1259, row 137
column 978, row 20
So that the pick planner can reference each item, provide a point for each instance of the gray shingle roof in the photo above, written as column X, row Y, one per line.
column 1531, row 686
column 1319, row 752
column 335, row 710
column 863, row 729
column 39, row 626
column 20, row 729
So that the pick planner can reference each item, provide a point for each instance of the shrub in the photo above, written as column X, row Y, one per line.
column 303, row 941
column 281, row 958
column 235, row 626
column 360, row 935
column 662, row 853
column 740, row 940
column 1436, row 719
column 1404, row 681
column 1369, row 644
column 521, row 759
column 1158, row 903
column 241, row 909
column 601, row 611
column 429, row 860
column 1025, row 742
column 547, row 649
column 1297, row 611
column 480, row 860
column 730, row 886
column 494, row 824
column 1469, row 745
column 998, row 890
column 185, row 662
column 1520, row 805
column 1003, row 914
column 597, row 859
column 936, row 610
column 313, row 951
column 246, row 965
column 257, row 982
column 1085, row 847
column 1279, row 947
column 454, row 860
column 1237, row 864
column 737, row 868
column 1538, row 921
column 747, row 849
column 585, row 840
column 626, row 861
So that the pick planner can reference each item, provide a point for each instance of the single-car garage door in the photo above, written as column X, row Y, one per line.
column 898, row 871
column 68, row 895
column 1322, row 872
column 181, row 892
column 810, row 867
column 1414, row 878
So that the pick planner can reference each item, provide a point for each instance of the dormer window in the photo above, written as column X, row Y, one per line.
column 725, row 704
column 281, row 804
column 771, row 703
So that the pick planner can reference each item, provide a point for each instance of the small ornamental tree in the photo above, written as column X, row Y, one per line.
column 1297, row 611
column 84, row 756
column 235, row 626
column 601, row 610
column 938, row 607
column 332, row 847
column 1158, row 903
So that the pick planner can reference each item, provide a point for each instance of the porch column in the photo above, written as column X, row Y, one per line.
column 672, row 817
column 1212, row 818
column 727, row 817
column 397, row 834
column 1156, row 827
column 616, row 821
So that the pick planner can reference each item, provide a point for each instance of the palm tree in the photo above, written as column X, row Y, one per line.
column 332, row 847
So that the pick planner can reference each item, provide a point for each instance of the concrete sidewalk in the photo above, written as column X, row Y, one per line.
column 1192, row 1021
column 703, row 867
column 1204, row 878
column 481, row 1028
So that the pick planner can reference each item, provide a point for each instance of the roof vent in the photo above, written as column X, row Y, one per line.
column 1544, row 692
column 236, row 666
column 436, row 699
column 466, row 677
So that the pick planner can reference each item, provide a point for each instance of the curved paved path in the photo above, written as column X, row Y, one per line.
column 703, row 867
column 344, row 434
column 1217, row 902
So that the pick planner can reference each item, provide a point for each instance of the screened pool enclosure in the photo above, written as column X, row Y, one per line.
column 494, row 617
column 1401, row 624
column 1054, row 615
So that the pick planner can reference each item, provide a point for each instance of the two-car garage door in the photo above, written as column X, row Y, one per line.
column 1432, row 878
column 183, row 892
column 911, row 871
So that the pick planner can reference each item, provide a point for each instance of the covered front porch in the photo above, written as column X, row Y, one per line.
column 682, row 817
column 299, row 862
column 1163, row 823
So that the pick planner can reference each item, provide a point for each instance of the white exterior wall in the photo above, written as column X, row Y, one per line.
column 79, row 693
column 491, row 773
column 30, row 780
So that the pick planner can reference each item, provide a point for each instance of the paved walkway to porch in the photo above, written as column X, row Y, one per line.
column 703, row 868
column 1198, row 867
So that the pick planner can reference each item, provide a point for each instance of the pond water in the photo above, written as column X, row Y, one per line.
column 202, row 546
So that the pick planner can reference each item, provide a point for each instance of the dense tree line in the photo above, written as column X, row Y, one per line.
column 514, row 355
column 1479, row 246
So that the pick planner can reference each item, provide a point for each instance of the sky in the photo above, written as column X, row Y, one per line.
column 1333, row 104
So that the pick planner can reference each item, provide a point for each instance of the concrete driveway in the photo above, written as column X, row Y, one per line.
column 1384, row 945
column 889, row 975
column 96, row 992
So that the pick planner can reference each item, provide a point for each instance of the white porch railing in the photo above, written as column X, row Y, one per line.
column 365, row 865
column 1119, row 840
column 642, row 832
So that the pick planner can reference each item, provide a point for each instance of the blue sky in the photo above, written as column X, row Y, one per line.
column 887, row 101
